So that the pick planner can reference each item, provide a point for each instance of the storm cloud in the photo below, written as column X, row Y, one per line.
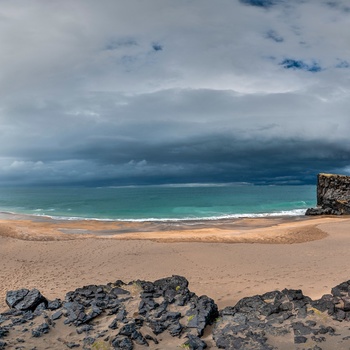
column 148, row 92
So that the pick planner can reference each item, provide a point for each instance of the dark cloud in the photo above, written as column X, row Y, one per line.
column 173, row 136
column 208, row 159
column 188, row 91
column 289, row 63
column 259, row 3
column 157, row 47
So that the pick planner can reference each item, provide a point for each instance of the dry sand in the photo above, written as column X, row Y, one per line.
column 226, row 261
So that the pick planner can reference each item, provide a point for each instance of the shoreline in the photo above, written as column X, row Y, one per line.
column 270, row 229
column 242, row 258
column 205, row 219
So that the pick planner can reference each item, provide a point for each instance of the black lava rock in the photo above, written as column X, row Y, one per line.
column 122, row 343
column 24, row 299
column 40, row 330
column 167, row 305
column 194, row 343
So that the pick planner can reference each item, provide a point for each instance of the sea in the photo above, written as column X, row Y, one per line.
column 159, row 203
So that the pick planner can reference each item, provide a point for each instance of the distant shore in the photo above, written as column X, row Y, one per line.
column 273, row 253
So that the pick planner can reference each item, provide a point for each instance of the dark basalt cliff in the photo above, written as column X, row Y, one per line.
column 165, row 314
column 333, row 195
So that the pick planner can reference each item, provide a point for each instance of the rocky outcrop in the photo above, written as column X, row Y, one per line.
column 112, row 316
column 165, row 314
column 333, row 195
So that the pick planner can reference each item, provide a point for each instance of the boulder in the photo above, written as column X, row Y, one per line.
column 13, row 297
column 23, row 299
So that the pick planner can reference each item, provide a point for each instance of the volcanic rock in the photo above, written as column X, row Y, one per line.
column 333, row 195
column 143, row 314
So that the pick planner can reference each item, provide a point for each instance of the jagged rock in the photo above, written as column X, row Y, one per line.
column 300, row 339
column 175, row 282
column 3, row 332
column 57, row 315
column 121, row 315
column 84, row 328
column 157, row 327
column 175, row 329
column 300, row 329
column 73, row 310
column 251, row 341
column 326, row 303
column 54, row 304
column 173, row 289
column 13, row 297
column 319, row 211
column 202, row 313
column 41, row 307
column 119, row 291
column 167, row 305
column 114, row 324
column 128, row 329
column 336, row 304
column 40, row 330
column 122, row 343
column 194, row 343
column 333, row 195
column 23, row 299
column 31, row 301
column 247, row 324
column 78, row 314
column 341, row 289
column 156, row 310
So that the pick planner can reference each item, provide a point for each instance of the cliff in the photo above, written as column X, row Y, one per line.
column 333, row 195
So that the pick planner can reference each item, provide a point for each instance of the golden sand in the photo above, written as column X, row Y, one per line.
column 226, row 261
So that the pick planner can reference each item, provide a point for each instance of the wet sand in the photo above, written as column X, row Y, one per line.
column 226, row 260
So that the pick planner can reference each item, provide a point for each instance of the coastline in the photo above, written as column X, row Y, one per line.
column 273, row 253
column 269, row 229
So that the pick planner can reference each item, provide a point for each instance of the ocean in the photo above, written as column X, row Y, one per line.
column 159, row 203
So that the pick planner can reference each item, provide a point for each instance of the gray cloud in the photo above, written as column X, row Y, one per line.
column 271, row 34
column 163, row 91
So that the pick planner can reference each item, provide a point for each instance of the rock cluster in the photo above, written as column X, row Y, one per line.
column 165, row 314
column 284, row 318
column 333, row 195
column 112, row 316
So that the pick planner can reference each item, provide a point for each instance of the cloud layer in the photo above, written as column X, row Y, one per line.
column 136, row 92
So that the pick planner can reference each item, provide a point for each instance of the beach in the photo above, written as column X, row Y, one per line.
column 226, row 260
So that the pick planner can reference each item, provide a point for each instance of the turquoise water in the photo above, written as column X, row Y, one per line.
column 145, row 203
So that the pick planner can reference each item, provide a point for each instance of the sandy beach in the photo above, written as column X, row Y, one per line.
column 225, row 260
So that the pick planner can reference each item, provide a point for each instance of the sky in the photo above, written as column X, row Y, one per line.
column 115, row 92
